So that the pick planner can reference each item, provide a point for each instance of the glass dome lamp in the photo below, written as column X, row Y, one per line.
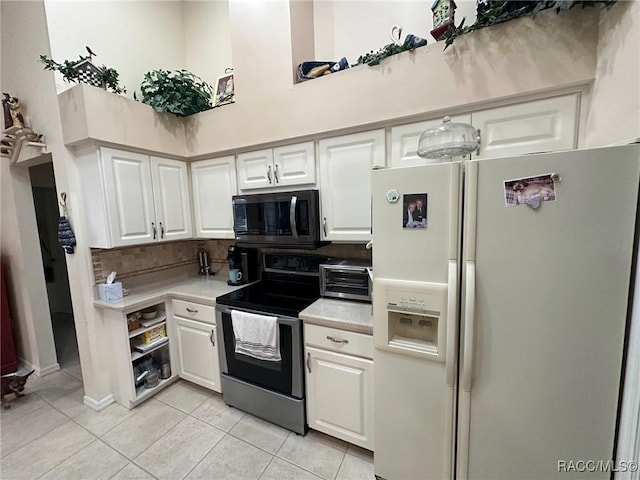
column 448, row 140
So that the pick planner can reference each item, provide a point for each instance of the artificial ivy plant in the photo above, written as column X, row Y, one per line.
column 492, row 12
column 179, row 92
column 71, row 74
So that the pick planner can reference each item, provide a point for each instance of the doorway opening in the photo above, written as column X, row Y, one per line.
column 54, row 264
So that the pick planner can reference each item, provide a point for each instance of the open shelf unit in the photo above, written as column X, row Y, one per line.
column 137, row 375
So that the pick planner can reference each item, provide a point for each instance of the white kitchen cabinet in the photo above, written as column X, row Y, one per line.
column 128, row 365
column 286, row 166
column 214, row 184
column 345, row 178
column 404, row 141
column 196, row 339
column 339, row 384
column 131, row 198
column 543, row 125
column 171, row 198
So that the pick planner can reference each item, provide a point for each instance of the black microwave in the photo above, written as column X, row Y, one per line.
column 284, row 219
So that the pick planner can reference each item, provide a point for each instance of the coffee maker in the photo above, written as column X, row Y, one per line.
column 243, row 265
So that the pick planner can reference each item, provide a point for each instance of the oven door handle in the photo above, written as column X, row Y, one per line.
column 292, row 216
column 281, row 320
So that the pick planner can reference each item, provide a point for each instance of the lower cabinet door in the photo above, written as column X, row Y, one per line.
column 340, row 396
column 198, row 353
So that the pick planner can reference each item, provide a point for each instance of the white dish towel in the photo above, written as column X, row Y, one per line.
column 256, row 335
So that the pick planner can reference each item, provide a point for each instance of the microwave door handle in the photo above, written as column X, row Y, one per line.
column 292, row 216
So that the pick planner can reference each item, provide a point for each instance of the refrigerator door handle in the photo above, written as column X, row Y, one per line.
column 469, row 324
column 452, row 296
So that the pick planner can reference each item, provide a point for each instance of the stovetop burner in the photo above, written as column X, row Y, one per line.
column 290, row 283
column 280, row 299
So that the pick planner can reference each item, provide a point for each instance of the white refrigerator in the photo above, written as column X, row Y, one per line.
column 500, row 311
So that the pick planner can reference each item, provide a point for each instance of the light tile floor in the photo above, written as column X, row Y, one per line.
column 182, row 432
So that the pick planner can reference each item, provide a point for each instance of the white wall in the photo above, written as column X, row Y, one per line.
column 19, row 242
column 131, row 36
column 614, row 112
column 352, row 28
column 23, row 76
column 207, row 38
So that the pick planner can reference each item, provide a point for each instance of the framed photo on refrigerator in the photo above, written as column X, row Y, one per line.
column 414, row 212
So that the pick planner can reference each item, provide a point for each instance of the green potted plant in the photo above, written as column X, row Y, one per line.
column 179, row 92
column 84, row 71
column 492, row 12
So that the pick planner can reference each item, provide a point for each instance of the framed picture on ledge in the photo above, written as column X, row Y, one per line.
column 224, row 90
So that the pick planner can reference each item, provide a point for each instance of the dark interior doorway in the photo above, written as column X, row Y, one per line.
column 54, row 264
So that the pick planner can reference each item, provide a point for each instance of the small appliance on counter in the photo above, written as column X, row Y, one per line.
column 203, row 261
column 243, row 265
column 348, row 279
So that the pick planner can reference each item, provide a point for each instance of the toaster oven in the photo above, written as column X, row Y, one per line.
column 349, row 279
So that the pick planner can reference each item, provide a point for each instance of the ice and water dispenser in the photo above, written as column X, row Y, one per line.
column 410, row 318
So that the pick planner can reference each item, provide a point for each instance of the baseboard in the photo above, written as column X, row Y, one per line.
column 23, row 365
column 99, row 405
column 47, row 370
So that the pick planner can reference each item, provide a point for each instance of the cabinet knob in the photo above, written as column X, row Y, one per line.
column 191, row 311
column 155, row 232
column 309, row 362
column 275, row 173
column 213, row 342
column 324, row 226
column 161, row 230
column 269, row 174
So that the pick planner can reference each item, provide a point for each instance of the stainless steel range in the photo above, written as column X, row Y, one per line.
column 270, row 390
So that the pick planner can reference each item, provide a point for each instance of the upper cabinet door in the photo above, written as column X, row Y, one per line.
column 530, row 127
column 345, row 176
column 129, row 197
column 294, row 165
column 404, row 141
column 214, row 184
column 171, row 195
column 255, row 169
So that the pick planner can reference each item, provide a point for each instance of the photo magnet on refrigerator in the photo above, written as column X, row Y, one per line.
column 530, row 191
column 414, row 213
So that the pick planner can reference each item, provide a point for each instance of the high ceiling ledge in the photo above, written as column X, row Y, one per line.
column 517, row 59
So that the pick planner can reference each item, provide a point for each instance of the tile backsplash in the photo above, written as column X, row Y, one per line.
column 131, row 262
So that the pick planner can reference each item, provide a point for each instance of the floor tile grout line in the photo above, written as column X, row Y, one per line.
column 257, row 446
column 161, row 436
column 299, row 466
column 285, row 441
column 67, row 458
column 341, row 462
column 47, row 404
column 205, row 455
column 266, row 467
column 219, row 428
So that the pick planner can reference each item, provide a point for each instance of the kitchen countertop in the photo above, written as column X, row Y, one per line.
column 201, row 289
column 343, row 314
